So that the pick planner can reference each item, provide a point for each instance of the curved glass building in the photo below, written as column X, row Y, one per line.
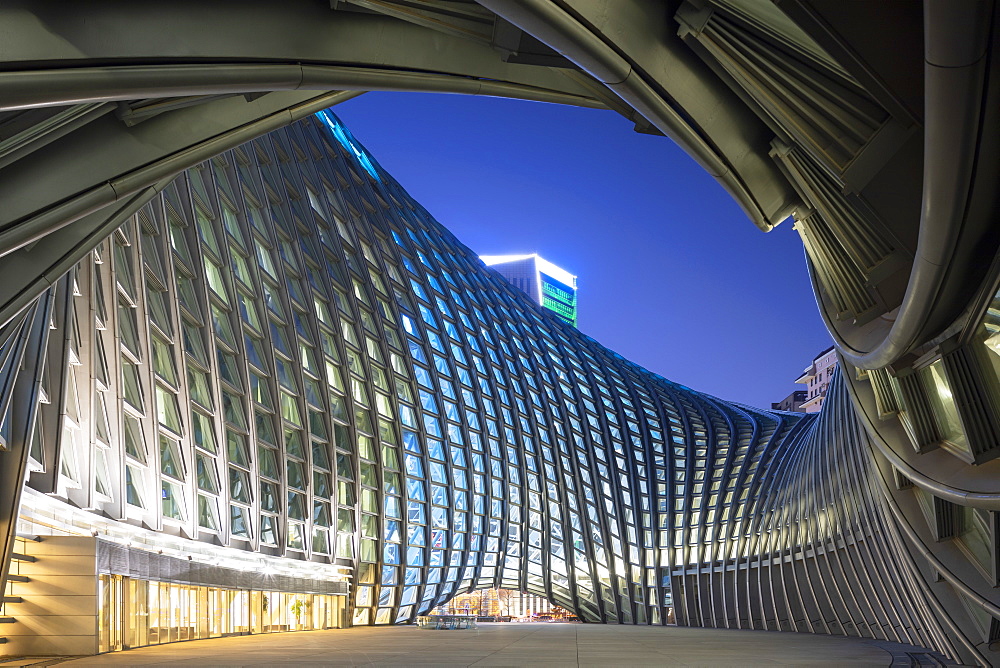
column 284, row 355
column 248, row 385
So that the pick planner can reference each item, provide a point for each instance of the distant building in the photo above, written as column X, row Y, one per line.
column 548, row 285
column 523, row 604
column 816, row 378
column 792, row 403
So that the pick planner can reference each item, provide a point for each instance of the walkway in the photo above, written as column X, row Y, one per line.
column 537, row 644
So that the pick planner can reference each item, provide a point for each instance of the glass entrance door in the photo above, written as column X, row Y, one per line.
column 111, row 620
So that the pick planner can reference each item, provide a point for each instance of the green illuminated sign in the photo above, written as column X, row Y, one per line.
column 559, row 298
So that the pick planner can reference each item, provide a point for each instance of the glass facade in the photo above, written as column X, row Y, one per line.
column 284, row 354
column 135, row 613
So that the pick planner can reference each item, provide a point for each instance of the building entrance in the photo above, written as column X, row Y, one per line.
column 135, row 613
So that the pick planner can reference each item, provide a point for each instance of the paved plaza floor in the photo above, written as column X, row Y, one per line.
column 536, row 644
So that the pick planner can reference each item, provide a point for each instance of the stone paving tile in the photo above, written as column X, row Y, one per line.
column 495, row 645
column 546, row 664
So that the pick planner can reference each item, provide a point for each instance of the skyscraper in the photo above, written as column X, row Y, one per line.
column 549, row 286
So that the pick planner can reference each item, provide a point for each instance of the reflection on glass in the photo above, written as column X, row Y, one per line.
column 942, row 403
column 134, row 613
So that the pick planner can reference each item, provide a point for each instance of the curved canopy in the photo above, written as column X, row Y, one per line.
column 796, row 110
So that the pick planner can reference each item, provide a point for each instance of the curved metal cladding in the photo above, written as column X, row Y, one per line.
column 827, row 555
column 284, row 353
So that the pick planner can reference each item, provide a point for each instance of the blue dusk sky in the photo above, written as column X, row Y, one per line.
column 672, row 274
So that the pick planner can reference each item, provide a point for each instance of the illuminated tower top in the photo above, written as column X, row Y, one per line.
column 550, row 286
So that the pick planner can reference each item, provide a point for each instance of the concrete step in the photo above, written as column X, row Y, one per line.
column 28, row 537
column 12, row 599
column 17, row 556
column 18, row 578
column 6, row 620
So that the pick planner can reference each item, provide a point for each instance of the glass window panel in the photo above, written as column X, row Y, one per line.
column 130, row 383
column 279, row 339
column 345, row 493
column 345, row 521
column 296, row 536
column 390, row 460
column 254, row 346
column 342, row 437
column 268, row 530
column 173, row 505
column 368, row 474
column 321, row 513
column 159, row 307
column 321, row 541
column 187, row 295
column 213, row 275
column 369, row 501
column 239, row 485
column 942, row 402
column 239, row 523
column 248, row 310
column 269, row 497
column 203, row 222
column 170, row 458
column 194, row 345
column 207, row 477
column 240, row 268
column 163, row 360
column 296, row 475
column 260, row 391
column 290, row 409
column 293, row 443
column 271, row 299
column 236, row 448
column 198, row 385
column 268, row 462
column 285, row 373
column 321, row 458
column 229, row 369
column 976, row 537
column 322, row 487
column 166, row 409
column 127, row 328
column 265, row 428
column 134, row 488
column 223, row 327
column 208, row 512
column 134, row 441
column 232, row 408
column 203, row 431
column 314, row 398
column 296, row 506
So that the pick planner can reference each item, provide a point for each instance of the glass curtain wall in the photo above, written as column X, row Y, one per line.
column 136, row 613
